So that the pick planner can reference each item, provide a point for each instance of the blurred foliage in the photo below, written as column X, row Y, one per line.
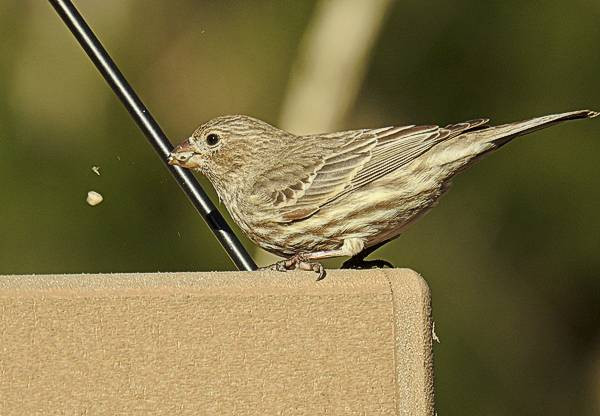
column 511, row 253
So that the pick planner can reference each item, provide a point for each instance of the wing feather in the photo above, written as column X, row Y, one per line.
column 329, row 166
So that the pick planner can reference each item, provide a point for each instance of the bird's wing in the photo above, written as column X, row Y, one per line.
column 397, row 146
column 320, row 169
column 311, row 171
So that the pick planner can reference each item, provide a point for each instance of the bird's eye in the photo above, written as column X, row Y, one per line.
column 212, row 139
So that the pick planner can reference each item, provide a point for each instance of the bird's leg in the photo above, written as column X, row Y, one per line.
column 302, row 261
column 358, row 260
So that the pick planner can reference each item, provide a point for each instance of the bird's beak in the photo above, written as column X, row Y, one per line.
column 181, row 155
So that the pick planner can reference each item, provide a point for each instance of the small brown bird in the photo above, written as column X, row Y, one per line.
column 339, row 194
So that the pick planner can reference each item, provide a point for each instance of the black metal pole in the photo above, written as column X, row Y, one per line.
column 92, row 46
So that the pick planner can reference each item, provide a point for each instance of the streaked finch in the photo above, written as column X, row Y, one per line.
column 339, row 194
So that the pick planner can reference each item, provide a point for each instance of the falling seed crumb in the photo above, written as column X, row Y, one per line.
column 96, row 170
column 94, row 198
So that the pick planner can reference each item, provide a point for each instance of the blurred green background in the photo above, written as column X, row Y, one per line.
column 511, row 253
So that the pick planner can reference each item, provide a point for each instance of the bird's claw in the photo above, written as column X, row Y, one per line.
column 297, row 262
column 366, row 264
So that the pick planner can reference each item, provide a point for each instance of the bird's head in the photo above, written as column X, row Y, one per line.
column 227, row 149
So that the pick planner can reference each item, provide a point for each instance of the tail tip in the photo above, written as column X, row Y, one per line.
column 592, row 114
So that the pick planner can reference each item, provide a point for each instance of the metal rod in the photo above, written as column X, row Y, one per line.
column 92, row 46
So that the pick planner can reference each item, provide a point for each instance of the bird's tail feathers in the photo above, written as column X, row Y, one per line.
column 502, row 134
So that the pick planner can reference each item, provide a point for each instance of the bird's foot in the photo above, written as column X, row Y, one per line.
column 297, row 262
column 353, row 263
